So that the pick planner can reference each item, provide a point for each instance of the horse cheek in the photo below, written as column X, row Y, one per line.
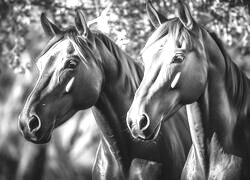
column 193, row 87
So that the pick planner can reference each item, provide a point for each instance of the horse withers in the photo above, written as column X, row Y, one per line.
column 187, row 65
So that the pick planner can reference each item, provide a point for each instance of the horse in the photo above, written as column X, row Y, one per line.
column 80, row 68
column 186, row 65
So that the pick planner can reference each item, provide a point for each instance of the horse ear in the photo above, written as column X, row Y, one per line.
column 185, row 16
column 49, row 28
column 81, row 24
column 155, row 17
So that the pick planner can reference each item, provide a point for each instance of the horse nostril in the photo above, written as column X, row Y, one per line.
column 34, row 124
column 143, row 122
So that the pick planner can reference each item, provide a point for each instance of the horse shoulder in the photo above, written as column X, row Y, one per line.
column 105, row 166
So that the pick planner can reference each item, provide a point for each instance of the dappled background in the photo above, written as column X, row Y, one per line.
column 71, row 152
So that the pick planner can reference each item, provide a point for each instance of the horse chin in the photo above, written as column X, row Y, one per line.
column 39, row 138
column 43, row 140
column 153, row 136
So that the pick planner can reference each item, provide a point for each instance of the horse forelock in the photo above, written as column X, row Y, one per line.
column 176, row 29
column 80, row 44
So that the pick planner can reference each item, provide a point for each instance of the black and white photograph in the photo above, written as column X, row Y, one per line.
column 124, row 89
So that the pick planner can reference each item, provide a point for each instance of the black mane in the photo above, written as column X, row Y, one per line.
column 236, row 80
column 130, row 70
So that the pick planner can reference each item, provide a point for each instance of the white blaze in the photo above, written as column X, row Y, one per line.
column 69, row 85
column 176, row 79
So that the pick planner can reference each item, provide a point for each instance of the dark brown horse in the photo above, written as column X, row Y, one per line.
column 79, row 69
column 187, row 65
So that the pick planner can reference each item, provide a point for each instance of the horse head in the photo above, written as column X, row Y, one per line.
column 70, row 79
column 175, row 72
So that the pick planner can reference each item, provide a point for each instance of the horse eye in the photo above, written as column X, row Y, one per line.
column 71, row 64
column 178, row 58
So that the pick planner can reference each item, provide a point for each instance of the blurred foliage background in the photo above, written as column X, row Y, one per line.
column 125, row 21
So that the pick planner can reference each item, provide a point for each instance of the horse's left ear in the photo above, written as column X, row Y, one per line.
column 155, row 17
column 81, row 24
column 185, row 16
column 49, row 28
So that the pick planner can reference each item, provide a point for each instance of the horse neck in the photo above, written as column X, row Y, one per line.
column 222, row 111
column 229, row 97
column 122, row 77
column 223, row 108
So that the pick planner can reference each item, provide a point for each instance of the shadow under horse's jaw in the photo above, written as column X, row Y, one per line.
column 43, row 140
column 147, row 136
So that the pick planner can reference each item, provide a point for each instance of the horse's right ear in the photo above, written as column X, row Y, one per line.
column 81, row 24
column 49, row 28
column 185, row 16
column 155, row 17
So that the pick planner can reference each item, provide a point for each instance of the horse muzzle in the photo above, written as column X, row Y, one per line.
column 31, row 129
column 140, row 127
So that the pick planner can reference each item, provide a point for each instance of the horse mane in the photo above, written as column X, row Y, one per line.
column 236, row 80
column 129, row 69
